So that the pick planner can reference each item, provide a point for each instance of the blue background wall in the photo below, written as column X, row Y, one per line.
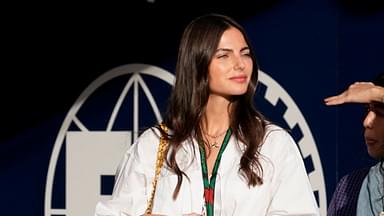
column 312, row 48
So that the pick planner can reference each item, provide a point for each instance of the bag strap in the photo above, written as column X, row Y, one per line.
column 159, row 163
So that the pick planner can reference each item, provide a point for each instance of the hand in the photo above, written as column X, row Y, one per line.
column 359, row 92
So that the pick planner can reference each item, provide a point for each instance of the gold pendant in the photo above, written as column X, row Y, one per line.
column 214, row 145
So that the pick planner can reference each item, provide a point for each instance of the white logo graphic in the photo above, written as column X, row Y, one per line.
column 92, row 153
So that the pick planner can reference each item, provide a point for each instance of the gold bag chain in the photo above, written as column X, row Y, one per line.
column 159, row 163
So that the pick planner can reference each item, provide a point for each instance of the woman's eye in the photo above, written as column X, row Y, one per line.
column 222, row 56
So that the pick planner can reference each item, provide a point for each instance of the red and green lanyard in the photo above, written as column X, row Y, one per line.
column 209, row 185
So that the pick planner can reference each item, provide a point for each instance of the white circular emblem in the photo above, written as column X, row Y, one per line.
column 91, row 153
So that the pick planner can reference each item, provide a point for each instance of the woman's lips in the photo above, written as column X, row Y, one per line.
column 239, row 79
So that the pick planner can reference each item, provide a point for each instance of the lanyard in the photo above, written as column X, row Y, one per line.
column 209, row 185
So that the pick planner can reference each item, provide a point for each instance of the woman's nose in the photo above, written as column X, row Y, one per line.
column 239, row 64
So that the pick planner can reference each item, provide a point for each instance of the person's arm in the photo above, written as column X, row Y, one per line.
column 129, row 194
column 133, row 179
column 291, row 190
column 359, row 92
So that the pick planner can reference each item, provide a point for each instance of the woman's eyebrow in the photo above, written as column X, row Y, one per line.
column 231, row 50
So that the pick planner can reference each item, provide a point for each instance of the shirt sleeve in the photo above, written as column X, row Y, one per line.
column 332, row 208
column 133, row 181
column 292, row 193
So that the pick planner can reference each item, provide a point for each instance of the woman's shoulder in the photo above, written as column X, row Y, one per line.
column 148, row 135
column 279, row 146
column 275, row 131
column 144, row 149
column 277, row 137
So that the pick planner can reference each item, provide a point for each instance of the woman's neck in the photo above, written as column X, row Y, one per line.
column 216, row 116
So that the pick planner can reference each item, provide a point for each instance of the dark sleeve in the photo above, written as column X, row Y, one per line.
column 344, row 199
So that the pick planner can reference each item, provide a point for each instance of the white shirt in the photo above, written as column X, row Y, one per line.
column 285, row 190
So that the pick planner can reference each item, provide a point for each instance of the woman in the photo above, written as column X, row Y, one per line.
column 223, row 157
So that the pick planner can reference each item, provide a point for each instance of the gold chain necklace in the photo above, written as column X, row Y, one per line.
column 215, row 143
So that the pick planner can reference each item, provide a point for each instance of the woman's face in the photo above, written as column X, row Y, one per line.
column 231, row 67
column 374, row 130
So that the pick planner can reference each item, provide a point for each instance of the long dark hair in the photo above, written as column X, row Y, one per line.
column 191, row 91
